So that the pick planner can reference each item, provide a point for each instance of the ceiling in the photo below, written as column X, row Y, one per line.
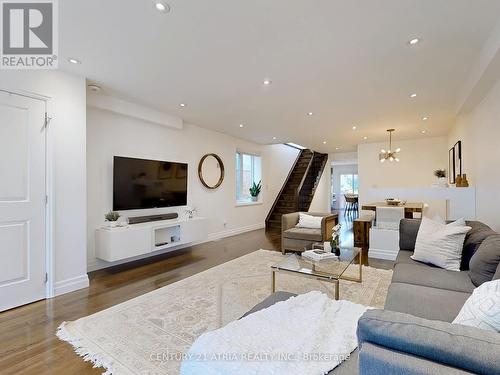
column 348, row 62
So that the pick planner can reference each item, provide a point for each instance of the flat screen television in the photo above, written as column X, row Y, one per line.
column 141, row 183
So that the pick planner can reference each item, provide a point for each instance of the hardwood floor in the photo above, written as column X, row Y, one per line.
column 28, row 344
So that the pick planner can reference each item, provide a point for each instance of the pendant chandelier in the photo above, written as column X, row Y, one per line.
column 389, row 154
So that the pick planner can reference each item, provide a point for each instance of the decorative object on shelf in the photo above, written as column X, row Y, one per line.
column 122, row 222
column 393, row 202
column 191, row 212
column 112, row 218
column 211, row 171
column 334, row 242
column 455, row 162
column 441, row 176
column 390, row 154
column 461, row 181
column 255, row 191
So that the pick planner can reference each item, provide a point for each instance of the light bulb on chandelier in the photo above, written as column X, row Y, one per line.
column 389, row 155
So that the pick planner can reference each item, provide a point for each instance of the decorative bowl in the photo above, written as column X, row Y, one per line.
column 393, row 202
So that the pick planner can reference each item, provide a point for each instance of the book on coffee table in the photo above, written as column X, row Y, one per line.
column 317, row 255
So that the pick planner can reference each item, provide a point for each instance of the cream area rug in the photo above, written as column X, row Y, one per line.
column 151, row 333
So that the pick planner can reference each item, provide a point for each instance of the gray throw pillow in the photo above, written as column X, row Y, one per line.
column 496, row 276
column 484, row 262
column 473, row 240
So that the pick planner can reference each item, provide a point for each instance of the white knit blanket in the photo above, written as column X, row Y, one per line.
column 309, row 335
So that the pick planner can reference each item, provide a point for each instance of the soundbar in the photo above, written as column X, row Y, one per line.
column 147, row 219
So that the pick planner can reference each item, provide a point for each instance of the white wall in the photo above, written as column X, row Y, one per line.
column 110, row 134
column 67, row 141
column 419, row 158
column 479, row 132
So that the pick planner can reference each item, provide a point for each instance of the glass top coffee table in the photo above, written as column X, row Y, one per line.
column 331, row 270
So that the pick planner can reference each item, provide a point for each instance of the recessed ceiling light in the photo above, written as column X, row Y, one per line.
column 182, row 105
column 267, row 82
column 354, row 127
column 310, row 113
column 324, row 142
column 74, row 61
column 425, row 118
column 94, row 88
column 241, row 125
column 337, row 148
column 413, row 41
column 274, row 138
column 414, row 95
column 365, row 138
column 162, row 7
column 423, row 132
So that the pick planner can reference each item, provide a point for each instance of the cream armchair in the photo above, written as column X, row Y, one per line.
column 298, row 239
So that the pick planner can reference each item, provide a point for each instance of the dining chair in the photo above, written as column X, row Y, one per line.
column 351, row 202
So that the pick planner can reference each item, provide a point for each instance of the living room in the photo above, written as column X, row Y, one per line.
column 172, row 187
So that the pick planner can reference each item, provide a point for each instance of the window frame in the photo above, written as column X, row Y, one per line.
column 239, row 176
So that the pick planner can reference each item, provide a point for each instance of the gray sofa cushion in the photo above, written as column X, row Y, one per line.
column 473, row 240
column 455, row 345
column 408, row 230
column 377, row 360
column 496, row 276
column 403, row 257
column 425, row 302
column 484, row 263
column 303, row 234
column 433, row 277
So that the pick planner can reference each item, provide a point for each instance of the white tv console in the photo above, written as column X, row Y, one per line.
column 118, row 243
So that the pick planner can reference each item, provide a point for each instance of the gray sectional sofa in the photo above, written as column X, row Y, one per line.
column 414, row 334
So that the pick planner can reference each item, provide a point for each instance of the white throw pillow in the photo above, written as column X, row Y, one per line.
column 482, row 308
column 441, row 244
column 309, row 221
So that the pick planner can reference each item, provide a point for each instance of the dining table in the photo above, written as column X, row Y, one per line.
column 409, row 207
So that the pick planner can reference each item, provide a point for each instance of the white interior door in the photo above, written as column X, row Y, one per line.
column 22, row 200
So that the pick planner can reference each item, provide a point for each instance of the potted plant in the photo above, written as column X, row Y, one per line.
column 335, row 242
column 441, row 176
column 112, row 218
column 255, row 191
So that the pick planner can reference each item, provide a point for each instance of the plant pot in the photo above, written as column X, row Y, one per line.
column 111, row 224
column 442, row 182
column 255, row 199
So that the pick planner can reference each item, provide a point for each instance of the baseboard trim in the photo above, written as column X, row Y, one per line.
column 70, row 285
column 96, row 264
column 382, row 254
column 234, row 232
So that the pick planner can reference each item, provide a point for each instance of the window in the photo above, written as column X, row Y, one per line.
column 248, row 171
column 349, row 184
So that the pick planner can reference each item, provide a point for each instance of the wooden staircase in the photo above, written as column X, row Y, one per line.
column 299, row 188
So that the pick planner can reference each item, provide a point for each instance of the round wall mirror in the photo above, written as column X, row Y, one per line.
column 211, row 171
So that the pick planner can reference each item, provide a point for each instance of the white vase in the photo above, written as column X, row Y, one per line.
column 111, row 224
column 442, row 182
